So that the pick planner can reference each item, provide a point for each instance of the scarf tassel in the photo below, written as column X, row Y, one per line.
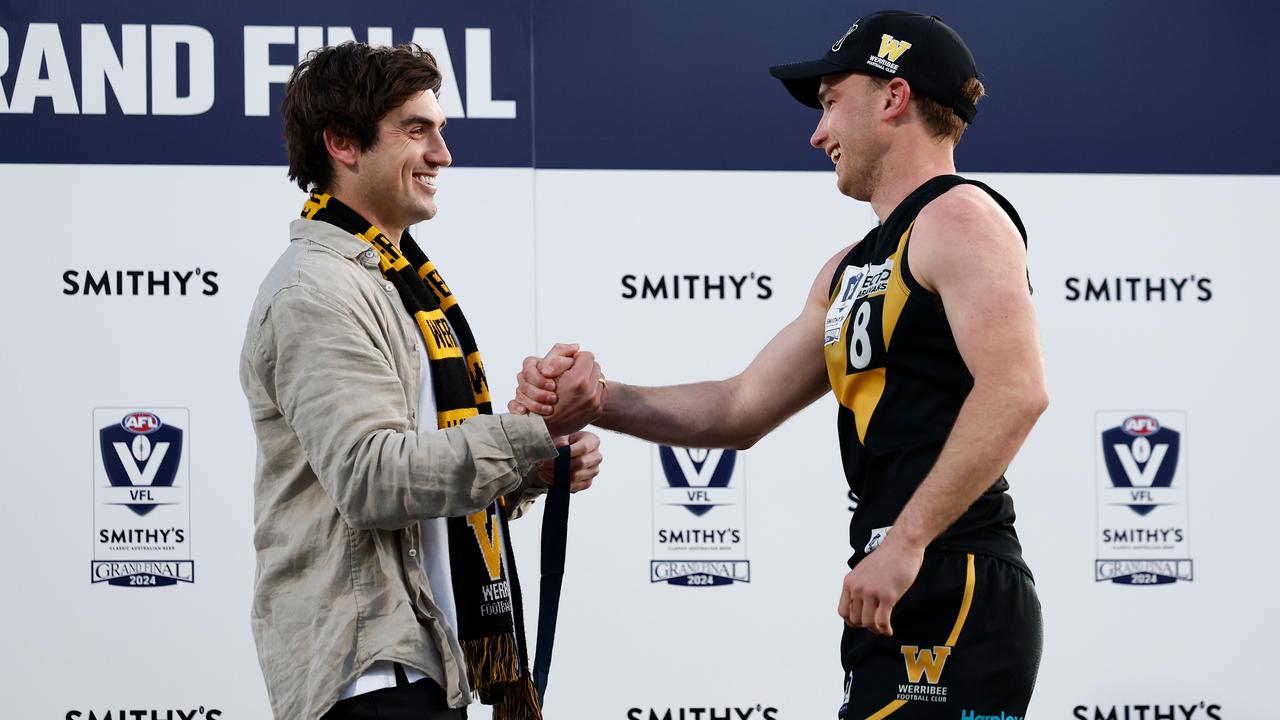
column 493, row 664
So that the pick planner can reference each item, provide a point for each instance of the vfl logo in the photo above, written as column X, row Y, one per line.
column 1140, row 454
column 490, row 543
column 697, row 470
column 891, row 48
column 840, row 42
column 925, row 663
column 140, row 453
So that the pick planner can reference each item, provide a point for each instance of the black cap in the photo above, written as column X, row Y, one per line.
column 920, row 49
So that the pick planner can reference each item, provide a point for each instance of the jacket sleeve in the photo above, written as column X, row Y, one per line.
column 345, row 402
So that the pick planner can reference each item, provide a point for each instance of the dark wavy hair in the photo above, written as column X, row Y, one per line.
column 347, row 89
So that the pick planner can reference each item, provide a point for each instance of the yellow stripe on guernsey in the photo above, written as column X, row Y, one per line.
column 439, row 336
column 479, row 380
column 449, row 418
column 861, row 392
column 311, row 207
column 433, row 280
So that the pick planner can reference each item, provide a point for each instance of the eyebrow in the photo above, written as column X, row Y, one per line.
column 823, row 92
column 421, row 120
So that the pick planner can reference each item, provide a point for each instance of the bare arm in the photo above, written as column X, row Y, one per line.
column 980, row 272
column 787, row 375
column 965, row 249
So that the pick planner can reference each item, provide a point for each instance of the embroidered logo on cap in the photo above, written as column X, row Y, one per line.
column 840, row 42
column 890, row 50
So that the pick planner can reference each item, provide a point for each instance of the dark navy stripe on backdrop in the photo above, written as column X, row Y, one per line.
column 228, row 133
column 1150, row 86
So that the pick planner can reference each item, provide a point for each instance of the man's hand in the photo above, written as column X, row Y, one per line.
column 877, row 584
column 536, row 381
column 584, row 461
column 574, row 398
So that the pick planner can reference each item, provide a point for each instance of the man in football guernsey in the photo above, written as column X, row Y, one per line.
column 925, row 332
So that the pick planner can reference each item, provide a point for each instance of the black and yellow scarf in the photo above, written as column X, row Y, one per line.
column 486, row 588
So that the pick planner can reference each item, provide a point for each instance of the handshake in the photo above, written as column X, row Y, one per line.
column 568, row 390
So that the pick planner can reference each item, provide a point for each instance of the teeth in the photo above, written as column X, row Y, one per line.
column 425, row 179
column 835, row 156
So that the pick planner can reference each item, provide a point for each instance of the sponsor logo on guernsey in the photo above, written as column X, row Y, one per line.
column 699, row 518
column 1143, row 515
column 855, row 284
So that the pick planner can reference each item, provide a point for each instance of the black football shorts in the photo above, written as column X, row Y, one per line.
column 966, row 645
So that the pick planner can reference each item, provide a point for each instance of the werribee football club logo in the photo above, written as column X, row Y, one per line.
column 142, row 498
column 1143, row 533
column 699, row 518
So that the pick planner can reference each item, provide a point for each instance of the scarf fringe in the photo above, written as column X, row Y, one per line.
column 519, row 701
column 492, row 660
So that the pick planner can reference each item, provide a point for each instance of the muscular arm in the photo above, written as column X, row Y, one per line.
column 965, row 249
column 787, row 375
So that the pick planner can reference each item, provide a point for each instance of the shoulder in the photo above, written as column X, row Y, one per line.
column 962, row 229
column 821, row 290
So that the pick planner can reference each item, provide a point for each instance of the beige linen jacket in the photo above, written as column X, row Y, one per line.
column 330, row 369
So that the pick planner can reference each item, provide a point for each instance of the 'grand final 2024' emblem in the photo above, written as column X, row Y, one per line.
column 1143, row 534
column 699, row 518
column 142, row 496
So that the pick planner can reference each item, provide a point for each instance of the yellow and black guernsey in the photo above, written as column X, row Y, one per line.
column 900, row 382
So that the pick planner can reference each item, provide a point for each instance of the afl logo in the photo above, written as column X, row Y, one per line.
column 140, row 423
column 1140, row 425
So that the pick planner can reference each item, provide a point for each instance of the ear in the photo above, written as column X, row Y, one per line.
column 341, row 148
column 896, row 99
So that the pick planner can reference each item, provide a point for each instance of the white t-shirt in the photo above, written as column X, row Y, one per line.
column 435, row 554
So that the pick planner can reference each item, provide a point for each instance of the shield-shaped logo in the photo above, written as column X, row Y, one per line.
column 1141, row 454
column 697, row 468
column 141, row 452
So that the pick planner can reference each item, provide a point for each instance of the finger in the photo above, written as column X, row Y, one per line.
column 583, row 443
column 579, row 486
column 532, row 375
column 557, row 354
column 581, row 370
column 554, row 367
column 883, row 613
column 588, row 462
column 535, row 391
column 561, row 441
column 868, row 617
column 516, row 408
column 842, row 607
column 533, row 405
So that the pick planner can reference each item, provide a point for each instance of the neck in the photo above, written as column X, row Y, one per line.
column 907, row 167
column 357, row 203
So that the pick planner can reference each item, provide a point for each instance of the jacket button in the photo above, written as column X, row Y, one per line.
column 390, row 287
column 413, row 552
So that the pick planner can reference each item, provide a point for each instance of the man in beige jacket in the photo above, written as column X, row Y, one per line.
column 353, row 613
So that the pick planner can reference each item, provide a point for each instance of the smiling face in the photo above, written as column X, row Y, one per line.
column 849, row 132
column 395, row 179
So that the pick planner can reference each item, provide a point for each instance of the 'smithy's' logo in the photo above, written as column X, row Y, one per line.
column 924, row 664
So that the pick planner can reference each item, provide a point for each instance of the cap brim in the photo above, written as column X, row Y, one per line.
column 803, row 78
